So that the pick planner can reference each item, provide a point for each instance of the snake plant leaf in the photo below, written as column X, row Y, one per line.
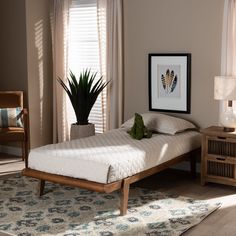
column 83, row 93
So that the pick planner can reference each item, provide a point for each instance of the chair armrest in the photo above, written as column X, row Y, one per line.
column 27, row 133
column 25, row 111
column 25, row 120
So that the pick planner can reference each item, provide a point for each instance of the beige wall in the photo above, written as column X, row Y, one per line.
column 26, row 61
column 153, row 26
column 39, row 64
column 13, row 54
column 150, row 26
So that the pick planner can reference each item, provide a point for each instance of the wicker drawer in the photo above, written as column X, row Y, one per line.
column 218, row 156
column 222, row 147
column 220, row 169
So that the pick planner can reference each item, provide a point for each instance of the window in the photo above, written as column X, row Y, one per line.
column 83, row 52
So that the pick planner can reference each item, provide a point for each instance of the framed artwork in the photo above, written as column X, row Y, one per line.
column 169, row 82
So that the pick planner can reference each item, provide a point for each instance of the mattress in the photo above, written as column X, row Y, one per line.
column 108, row 157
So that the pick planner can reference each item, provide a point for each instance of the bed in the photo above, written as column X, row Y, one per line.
column 111, row 161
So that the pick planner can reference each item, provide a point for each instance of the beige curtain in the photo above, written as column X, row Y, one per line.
column 102, row 38
column 60, row 22
column 111, row 56
column 228, row 52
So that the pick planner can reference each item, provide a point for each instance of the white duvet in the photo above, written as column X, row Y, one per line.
column 111, row 156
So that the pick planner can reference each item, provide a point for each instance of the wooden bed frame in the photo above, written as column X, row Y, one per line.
column 122, row 184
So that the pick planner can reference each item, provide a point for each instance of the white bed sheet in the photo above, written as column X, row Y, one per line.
column 111, row 156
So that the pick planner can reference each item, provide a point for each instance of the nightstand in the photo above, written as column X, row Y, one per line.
column 218, row 161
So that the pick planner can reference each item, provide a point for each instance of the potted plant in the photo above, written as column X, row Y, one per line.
column 83, row 94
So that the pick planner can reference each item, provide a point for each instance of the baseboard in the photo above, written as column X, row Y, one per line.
column 185, row 165
column 16, row 151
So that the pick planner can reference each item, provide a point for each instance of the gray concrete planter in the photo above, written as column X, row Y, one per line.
column 81, row 131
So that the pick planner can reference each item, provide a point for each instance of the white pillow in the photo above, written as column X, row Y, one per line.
column 162, row 123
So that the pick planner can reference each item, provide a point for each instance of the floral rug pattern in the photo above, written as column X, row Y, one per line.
column 71, row 211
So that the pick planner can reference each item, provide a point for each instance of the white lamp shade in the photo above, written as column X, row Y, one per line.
column 225, row 88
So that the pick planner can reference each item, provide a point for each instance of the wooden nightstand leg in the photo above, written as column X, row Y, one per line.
column 203, row 182
column 193, row 161
column 203, row 161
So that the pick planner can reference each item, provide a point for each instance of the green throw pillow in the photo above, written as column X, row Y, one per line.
column 139, row 130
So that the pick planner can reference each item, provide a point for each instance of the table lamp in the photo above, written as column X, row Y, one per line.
column 225, row 89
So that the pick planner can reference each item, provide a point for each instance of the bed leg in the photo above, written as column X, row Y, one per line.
column 124, row 198
column 193, row 162
column 41, row 187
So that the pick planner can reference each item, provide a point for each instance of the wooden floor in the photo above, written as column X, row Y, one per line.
column 220, row 223
column 10, row 165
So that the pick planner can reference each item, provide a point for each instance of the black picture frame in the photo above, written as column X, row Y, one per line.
column 169, row 78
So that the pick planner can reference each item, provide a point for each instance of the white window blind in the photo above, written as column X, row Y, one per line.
column 83, row 52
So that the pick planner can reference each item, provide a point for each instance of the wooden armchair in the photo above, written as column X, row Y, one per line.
column 13, row 99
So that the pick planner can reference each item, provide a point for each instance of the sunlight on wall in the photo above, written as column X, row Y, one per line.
column 39, row 46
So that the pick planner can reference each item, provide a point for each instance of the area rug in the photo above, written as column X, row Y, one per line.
column 71, row 211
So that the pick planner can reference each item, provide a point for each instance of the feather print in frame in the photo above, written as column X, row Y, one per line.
column 163, row 81
column 169, row 81
column 174, row 84
column 169, row 77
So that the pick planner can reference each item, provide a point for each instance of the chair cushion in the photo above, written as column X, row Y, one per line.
column 12, row 134
column 10, row 117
